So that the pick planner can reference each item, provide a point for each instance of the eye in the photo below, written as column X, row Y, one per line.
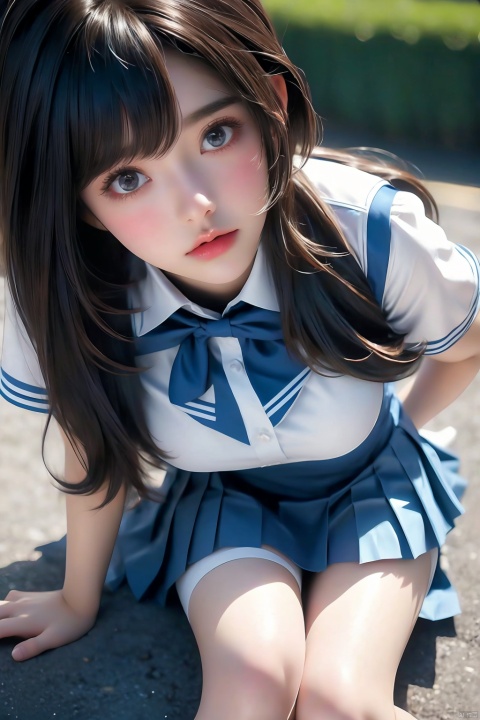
column 217, row 137
column 128, row 181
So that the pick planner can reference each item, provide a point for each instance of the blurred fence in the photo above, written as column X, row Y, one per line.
column 405, row 69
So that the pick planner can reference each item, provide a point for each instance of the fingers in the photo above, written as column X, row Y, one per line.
column 44, row 620
column 5, row 605
column 14, row 627
column 14, row 595
column 16, row 621
column 444, row 438
column 17, row 607
column 46, row 640
column 30, row 648
column 6, row 609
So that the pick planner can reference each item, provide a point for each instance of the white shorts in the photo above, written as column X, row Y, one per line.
column 192, row 576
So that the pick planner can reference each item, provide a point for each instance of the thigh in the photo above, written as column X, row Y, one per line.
column 358, row 621
column 248, row 621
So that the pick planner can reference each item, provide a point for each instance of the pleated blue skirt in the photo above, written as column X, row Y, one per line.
column 394, row 496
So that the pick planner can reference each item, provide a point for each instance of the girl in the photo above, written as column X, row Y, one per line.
column 187, row 285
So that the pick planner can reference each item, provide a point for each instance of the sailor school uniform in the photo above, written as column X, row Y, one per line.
column 265, row 452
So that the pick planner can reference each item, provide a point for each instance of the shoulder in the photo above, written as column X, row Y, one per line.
column 21, row 380
column 357, row 201
column 342, row 186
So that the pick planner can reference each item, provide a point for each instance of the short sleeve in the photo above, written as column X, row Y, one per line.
column 432, row 285
column 21, row 381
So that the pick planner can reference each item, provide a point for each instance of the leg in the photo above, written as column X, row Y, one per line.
column 359, row 619
column 248, row 621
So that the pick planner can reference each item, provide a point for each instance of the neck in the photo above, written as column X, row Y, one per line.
column 214, row 297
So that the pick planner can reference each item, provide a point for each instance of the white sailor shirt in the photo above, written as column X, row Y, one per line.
column 429, row 291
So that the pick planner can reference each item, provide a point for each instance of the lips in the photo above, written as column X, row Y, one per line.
column 209, row 236
column 212, row 244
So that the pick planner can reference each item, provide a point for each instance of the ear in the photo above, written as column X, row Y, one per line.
column 280, row 87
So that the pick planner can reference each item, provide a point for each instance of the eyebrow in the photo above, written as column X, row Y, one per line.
column 210, row 109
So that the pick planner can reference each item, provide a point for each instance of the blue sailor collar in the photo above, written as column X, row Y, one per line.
column 158, row 297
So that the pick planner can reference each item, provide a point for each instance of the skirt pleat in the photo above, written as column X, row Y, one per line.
column 206, row 526
column 400, row 504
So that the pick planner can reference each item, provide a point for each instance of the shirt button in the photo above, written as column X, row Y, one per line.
column 264, row 436
column 236, row 365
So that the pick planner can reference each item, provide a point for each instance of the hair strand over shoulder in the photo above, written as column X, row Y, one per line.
column 83, row 84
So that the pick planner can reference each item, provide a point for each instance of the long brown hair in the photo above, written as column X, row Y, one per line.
column 73, row 75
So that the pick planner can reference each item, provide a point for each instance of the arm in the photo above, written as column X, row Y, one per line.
column 442, row 378
column 91, row 535
column 49, row 619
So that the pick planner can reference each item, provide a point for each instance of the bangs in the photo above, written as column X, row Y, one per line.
column 119, row 105
column 88, row 88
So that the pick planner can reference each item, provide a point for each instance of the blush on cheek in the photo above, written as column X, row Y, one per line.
column 247, row 178
column 134, row 228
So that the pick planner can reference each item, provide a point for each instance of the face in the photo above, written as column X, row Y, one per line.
column 196, row 212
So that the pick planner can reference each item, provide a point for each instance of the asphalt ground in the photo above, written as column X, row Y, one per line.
column 140, row 661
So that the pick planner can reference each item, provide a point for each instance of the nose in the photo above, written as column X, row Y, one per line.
column 195, row 201
column 199, row 207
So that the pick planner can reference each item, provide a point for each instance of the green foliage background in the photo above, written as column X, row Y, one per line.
column 402, row 68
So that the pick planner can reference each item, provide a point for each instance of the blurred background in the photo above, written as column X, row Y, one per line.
column 403, row 75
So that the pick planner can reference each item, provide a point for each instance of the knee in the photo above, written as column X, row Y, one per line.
column 253, row 691
column 341, row 700
column 265, row 695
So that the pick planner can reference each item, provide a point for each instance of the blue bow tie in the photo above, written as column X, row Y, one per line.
column 273, row 373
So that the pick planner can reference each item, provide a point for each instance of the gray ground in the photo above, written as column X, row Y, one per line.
column 140, row 661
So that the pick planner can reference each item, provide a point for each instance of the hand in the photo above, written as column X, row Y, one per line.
column 443, row 438
column 45, row 619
